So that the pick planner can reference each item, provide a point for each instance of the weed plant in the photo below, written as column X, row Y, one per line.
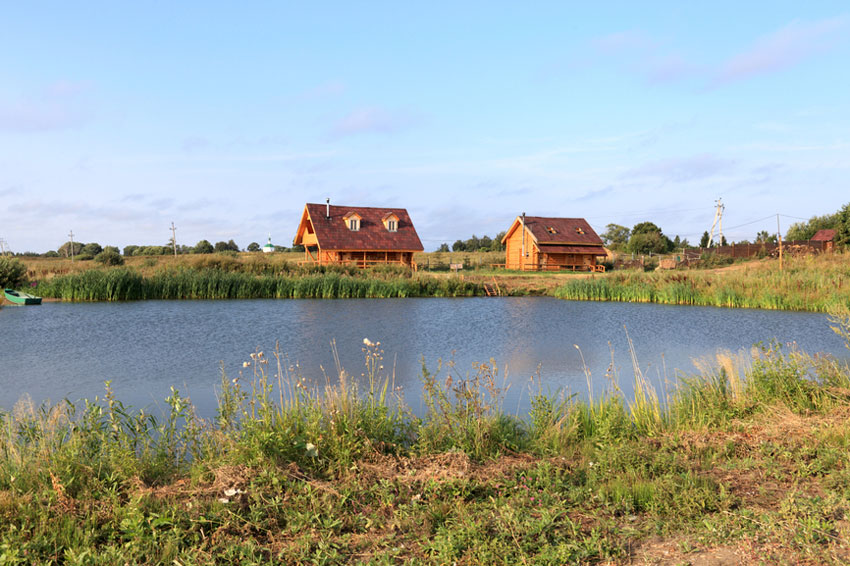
column 214, row 283
column 749, row 452
column 805, row 284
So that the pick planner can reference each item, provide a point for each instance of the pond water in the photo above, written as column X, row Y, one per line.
column 67, row 350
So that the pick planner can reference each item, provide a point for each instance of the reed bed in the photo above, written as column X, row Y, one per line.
column 121, row 284
column 340, row 470
column 806, row 284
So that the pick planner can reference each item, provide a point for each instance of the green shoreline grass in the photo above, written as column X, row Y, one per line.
column 185, row 283
column 747, row 457
column 806, row 284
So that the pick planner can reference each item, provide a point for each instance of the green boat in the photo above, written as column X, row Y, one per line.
column 20, row 298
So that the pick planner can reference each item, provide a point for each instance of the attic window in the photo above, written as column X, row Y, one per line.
column 551, row 230
column 390, row 221
column 352, row 221
column 579, row 230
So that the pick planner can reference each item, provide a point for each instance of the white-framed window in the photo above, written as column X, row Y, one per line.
column 354, row 224
column 392, row 225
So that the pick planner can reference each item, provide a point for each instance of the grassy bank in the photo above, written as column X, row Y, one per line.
column 747, row 460
column 121, row 284
column 811, row 284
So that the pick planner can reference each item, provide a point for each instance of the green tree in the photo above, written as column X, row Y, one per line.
column 12, row 272
column 703, row 242
column 229, row 246
column 65, row 249
column 763, row 237
column 130, row 250
column 253, row 247
column 497, row 245
column 615, row 236
column 648, row 238
column 458, row 246
column 203, row 247
column 842, row 226
column 109, row 256
column 91, row 249
column 800, row 231
column 444, row 247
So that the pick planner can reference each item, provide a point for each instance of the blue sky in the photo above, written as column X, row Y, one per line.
column 117, row 119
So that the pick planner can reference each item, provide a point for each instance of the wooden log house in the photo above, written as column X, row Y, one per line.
column 537, row 243
column 364, row 236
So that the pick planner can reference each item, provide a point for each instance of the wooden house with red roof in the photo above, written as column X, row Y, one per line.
column 827, row 239
column 362, row 235
column 537, row 243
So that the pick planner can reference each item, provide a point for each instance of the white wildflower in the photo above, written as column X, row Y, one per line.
column 312, row 451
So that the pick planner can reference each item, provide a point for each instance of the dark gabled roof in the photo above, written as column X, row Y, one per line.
column 826, row 235
column 332, row 232
column 564, row 231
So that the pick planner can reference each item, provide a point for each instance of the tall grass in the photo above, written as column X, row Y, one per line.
column 127, row 284
column 805, row 284
column 285, row 457
column 274, row 415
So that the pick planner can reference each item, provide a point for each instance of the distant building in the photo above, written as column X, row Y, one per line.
column 537, row 243
column 268, row 248
column 361, row 235
column 827, row 236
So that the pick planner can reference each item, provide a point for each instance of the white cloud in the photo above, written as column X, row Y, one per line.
column 782, row 49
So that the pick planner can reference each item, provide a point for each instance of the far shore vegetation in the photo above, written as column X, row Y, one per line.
column 90, row 272
column 807, row 283
column 744, row 462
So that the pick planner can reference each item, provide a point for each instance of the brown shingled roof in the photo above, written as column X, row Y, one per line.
column 333, row 233
column 826, row 235
column 566, row 231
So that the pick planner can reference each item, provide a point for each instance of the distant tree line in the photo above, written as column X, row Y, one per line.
column 476, row 244
column 646, row 237
column 94, row 250
column 838, row 221
column 643, row 238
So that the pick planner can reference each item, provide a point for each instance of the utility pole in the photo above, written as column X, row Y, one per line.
column 71, row 235
column 718, row 219
column 779, row 236
column 174, row 238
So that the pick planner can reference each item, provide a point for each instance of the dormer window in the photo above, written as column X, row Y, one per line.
column 390, row 221
column 579, row 230
column 551, row 230
column 352, row 220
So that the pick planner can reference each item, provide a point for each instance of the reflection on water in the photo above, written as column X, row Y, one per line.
column 64, row 350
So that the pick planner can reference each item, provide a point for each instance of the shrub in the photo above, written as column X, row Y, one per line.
column 109, row 257
column 12, row 272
